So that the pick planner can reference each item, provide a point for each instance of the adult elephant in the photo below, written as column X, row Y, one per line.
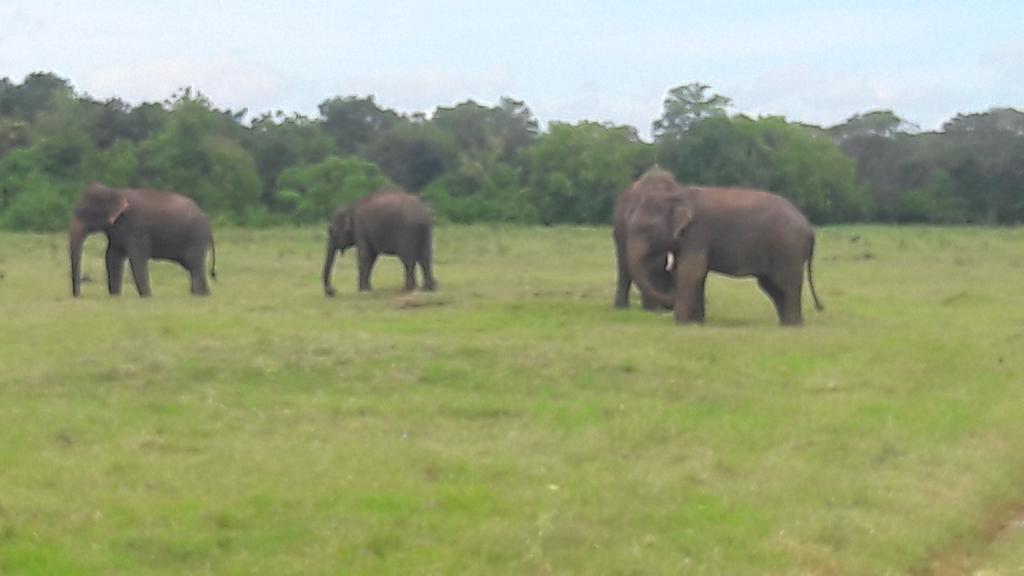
column 141, row 224
column 388, row 222
column 733, row 231
column 654, row 264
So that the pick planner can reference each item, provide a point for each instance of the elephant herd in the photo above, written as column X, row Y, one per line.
column 667, row 238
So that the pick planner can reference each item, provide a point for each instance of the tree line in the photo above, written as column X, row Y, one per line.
column 477, row 163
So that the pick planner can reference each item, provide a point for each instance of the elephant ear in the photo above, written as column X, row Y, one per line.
column 118, row 210
column 682, row 216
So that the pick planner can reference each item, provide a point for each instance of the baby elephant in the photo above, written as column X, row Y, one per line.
column 385, row 222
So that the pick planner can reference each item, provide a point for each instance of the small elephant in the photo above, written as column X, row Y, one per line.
column 733, row 231
column 141, row 224
column 386, row 222
column 656, row 265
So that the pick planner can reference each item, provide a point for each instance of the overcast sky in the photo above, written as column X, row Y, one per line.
column 812, row 61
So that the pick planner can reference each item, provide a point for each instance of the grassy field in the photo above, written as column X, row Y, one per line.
column 514, row 422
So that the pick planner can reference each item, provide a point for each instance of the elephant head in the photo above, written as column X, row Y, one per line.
column 340, row 235
column 98, row 208
column 657, row 227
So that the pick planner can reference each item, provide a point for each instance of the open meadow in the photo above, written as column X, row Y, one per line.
column 513, row 422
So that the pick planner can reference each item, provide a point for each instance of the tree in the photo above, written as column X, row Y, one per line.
column 309, row 193
column 198, row 154
column 115, row 120
column 278, row 141
column 718, row 151
column 685, row 107
column 414, row 154
column 772, row 154
column 488, row 133
column 35, row 94
column 983, row 158
column 812, row 172
column 355, row 123
column 14, row 134
column 575, row 172
column 480, row 191
column 874, row 124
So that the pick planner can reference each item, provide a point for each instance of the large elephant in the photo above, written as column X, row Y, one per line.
column 733, row 231
column 386, row 222
column 141, row 224
column 655, row 264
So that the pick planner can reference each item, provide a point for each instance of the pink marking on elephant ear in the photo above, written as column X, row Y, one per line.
column 117, row 213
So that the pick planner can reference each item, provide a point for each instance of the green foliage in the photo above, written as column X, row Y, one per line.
column 35, row 94
column 877, row 123
column 31, row 199
column 812, row 172
column 413, row 155
column 309, row 193
column 769, row 153
column 14, row 134
column 198, row 153
column 277, row 142
column 114, row 166
column 232, row 185
column 685, row 107
column 492, row 163
column 574, row 172
column 40, row 205
column 355, row 123
column 480, row 192
column 718, row 151
column 936, row 202
column 491, row 134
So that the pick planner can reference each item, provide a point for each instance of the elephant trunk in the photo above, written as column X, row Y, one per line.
column 332, row 251
column 636, row 252
column 76, row 238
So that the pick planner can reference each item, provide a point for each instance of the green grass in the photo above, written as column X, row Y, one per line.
column 513, row 422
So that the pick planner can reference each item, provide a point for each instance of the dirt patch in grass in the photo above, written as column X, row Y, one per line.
column 420, row 301
column 963, row 555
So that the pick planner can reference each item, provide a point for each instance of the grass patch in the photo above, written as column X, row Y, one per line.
column 512, row 422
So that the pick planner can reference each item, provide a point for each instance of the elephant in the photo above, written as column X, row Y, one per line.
column 655, row 265
column 140, row 224
column 733, row 231
column 389, row 222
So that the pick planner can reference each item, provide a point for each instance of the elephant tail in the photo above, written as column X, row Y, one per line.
column 810, row 277
column 213, row 259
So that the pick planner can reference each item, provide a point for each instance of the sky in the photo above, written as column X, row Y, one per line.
column 818, row 62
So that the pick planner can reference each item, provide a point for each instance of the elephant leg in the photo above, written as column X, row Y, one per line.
column 199, row 286
column 140, row 272
column 624, row 281
column 367, row 258
column 773, row 292
column 792, row 307
column 786, row 300
column 410, row 273
column 115, row 270
column 691, row 274
column 426, row 255
column 699, row 304
column 195, row 264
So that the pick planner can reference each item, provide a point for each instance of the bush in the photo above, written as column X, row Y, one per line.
column 310, row 192
column 41, row 207
column 474, row 193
